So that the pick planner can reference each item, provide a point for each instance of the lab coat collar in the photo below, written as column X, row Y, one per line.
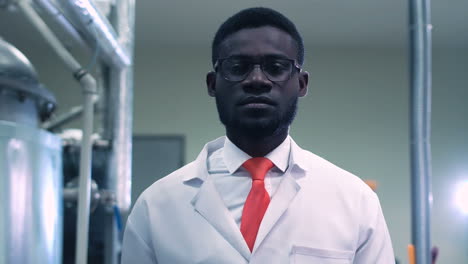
column 297, row 158
column 201, row 162
column 234, row 157
column 210, row 205
column 279, row 203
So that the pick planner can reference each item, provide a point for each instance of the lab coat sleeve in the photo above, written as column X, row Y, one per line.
column 374, row 243
column 136, row 246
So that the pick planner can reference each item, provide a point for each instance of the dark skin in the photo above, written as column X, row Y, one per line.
column 257, row 127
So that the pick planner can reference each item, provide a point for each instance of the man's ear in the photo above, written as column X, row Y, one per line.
column 211, row 83
column 303, row 82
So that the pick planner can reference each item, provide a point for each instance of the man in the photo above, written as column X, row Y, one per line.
column 255, row 196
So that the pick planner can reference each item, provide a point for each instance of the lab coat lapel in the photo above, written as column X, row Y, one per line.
column 209, row 204
column 280, row 202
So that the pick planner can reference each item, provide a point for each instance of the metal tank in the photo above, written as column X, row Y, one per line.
column 30, row 166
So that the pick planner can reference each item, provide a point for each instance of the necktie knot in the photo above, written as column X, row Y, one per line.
column 258, row 167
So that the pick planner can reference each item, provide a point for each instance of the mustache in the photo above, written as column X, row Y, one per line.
column 256, row 99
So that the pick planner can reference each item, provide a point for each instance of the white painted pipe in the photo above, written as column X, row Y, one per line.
column 89, row 89
column 88, row 84
column 49, row 36
column 56, row 15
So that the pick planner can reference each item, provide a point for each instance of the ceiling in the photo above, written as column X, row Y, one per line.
column 324, row 23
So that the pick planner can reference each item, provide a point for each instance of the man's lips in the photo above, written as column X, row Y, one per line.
column 256, row 101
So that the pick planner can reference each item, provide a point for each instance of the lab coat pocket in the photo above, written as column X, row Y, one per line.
column 307, row 255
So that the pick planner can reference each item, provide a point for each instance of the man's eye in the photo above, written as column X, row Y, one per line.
column 276, row 67
column 238, row 68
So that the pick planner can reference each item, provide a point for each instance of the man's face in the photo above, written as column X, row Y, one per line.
column 257, row 106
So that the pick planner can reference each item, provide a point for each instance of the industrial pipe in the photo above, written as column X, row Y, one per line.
column 56, row 15
column 119, row 125
column 49, row 36
column 98, row 28
column 89, row 90
column 71, row 194
column 420, row 72
column 64, row 118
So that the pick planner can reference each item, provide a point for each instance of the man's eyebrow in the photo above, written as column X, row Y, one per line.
column 240, row 56
column 276, row 56
column 266, row 56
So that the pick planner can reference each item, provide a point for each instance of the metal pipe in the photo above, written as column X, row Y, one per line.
column 98, row 28
column 72, row 114
column 120, row 110
column 53, row 12
column 89, row 90
column 118, row 126
column 50, row 37
column 71, row 194
column 420, row 72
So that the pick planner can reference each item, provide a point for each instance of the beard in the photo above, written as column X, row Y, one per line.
column 258, row 127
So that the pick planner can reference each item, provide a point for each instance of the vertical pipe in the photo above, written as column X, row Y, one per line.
column 120, row 109
column 119, row 124
column 427, row 121
column 89, row 90
column 420, row 74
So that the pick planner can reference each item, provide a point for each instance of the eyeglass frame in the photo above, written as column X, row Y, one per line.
column 293, row 63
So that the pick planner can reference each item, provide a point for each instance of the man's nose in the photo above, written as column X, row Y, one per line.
column 257, row 74
column 257, row 81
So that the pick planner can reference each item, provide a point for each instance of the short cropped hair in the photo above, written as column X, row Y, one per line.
column 253, row 18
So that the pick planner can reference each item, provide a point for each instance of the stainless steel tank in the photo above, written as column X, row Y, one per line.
column 30, row 167
column 30, row 195
column 22, row 98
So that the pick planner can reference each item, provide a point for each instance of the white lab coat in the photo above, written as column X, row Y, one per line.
column 320, row 214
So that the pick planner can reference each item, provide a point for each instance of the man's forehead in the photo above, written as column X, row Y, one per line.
column 265, row 40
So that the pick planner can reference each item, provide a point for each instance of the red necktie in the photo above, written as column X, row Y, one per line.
column 257, row 201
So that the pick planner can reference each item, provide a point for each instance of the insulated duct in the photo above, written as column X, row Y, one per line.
column 99, row 30
column 119, row 125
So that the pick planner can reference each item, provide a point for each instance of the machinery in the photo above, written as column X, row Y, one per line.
column 64, row 192
column 30, row 165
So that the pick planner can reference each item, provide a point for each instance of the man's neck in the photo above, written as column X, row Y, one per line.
column 257, row 147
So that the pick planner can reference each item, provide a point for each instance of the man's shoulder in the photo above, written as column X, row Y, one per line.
column 170, row 184
column 180, row 183
column 320, row 170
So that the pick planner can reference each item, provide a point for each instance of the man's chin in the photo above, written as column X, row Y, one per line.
column 258, row 129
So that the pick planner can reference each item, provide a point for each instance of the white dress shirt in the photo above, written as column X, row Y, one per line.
column 233, row 181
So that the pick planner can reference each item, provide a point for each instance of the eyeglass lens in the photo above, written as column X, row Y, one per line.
column 235, row 69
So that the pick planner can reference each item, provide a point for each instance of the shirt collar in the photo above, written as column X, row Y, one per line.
column 298, row 158
column 234, row 157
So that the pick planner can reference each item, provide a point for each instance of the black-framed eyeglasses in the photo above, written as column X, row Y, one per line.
column 236, row 69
